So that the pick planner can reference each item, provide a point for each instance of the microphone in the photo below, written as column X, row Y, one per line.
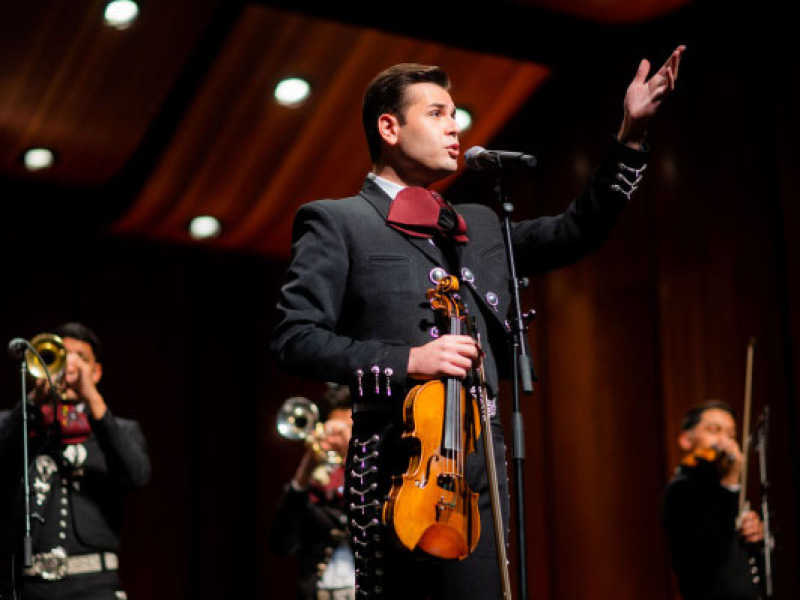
column 478, row 159
column 17, row 347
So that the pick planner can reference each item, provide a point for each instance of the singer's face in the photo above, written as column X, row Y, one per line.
column 424, row 146
column 716, row 426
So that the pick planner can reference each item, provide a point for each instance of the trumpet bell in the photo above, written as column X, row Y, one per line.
column 297, row 418
column 54, row 355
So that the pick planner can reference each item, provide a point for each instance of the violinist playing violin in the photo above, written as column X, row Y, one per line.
column 354, row 308
column 711, row 546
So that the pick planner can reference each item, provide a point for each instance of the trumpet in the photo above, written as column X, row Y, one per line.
column 53, row 355
column 299, row 419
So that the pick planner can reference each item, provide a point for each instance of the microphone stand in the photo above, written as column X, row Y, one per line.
column 769, row 541
column 520, row 372
column 17, row 348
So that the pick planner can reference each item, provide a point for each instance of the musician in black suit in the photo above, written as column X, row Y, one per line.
column 83, row 460
column 310, row 521
column 353, row 308
column 708, row 539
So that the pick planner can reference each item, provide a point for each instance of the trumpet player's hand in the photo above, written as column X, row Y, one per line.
column 302, row 476
column 81, row 379
column 40, row 392
column 337, row 436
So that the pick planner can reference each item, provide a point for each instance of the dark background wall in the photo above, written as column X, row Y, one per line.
column 705, row 257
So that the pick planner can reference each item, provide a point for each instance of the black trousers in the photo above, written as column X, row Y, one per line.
column 384, row 571
column 90, row 586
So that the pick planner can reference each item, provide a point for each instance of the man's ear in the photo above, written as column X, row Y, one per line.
column 388, row 128
column 685, row 441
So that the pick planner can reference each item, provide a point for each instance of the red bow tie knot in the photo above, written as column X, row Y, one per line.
column 72, row 421
column 420, row 212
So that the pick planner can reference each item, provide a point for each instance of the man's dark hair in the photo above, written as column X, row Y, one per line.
column 79, row 331
column 694, row 414
column 337, row 396
column 386, row 93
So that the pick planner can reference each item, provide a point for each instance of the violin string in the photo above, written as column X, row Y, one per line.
column 457, row 416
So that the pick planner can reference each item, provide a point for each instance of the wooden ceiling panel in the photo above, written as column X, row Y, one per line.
column 241, row 157
column 174, row 117
column 87, row 91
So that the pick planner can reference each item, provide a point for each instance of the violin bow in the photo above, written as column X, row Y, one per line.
column 491, row 471
column 748, row 401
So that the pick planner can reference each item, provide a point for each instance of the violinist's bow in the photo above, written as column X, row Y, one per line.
column 748, row 401
column 494, row 490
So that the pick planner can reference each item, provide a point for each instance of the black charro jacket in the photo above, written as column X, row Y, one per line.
column 355, row 292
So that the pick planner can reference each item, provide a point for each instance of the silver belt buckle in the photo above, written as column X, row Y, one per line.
column 52, row 565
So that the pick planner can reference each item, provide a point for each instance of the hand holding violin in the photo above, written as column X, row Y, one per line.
column 731, row 464
column 724, row 454
column 448, row 356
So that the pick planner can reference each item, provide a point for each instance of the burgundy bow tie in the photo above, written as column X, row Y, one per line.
column 422, row 213
column 73, row 422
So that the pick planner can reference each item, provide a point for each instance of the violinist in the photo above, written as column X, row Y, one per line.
column 708, row 540
column 83, row 461
column 354, row 306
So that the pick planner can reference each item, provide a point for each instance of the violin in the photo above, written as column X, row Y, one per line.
column 431, row 507
column 701, row 456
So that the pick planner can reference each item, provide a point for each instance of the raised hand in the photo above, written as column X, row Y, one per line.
column 644, row 96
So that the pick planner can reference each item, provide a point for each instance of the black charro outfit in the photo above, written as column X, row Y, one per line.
column 310, row 524
column 77, row 494
column 354, row 303
column 710, row 560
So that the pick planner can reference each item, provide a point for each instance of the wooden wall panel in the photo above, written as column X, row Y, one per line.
column 659, row 318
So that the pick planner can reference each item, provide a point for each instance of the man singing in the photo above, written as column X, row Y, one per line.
column 353, row 308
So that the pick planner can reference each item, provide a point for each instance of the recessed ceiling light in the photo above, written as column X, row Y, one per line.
column 292, row 91
column 463, row 119
column 120, row 14
column 204, row 227
column 36, row 159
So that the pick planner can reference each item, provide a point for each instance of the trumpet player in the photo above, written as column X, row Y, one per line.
column 311, row 522
column 82, row 461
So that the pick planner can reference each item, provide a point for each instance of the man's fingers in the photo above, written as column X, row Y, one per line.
column 461, row 344
column 642, row 71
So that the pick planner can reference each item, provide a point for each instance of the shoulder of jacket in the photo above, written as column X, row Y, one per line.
column 476, row 210
column 340, row 206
